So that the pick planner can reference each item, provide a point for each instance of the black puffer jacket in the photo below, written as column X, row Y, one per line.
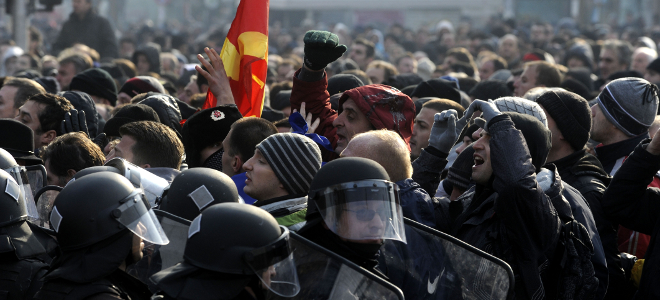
column 629, row 202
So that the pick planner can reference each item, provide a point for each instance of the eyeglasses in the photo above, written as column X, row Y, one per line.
column 366, row 215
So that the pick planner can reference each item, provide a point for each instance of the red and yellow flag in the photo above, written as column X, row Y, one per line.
column 245, row 56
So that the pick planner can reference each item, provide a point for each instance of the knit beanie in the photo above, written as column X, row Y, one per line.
column 142, row 84
column 343, row 82
column 438, row 88
column 522, row 106
column 95, row 82
column 460, row 172
column 490, row 89
column 127, row 114
column 654, row 65
column 630, row 104
column 294, row 158
column 571, row 114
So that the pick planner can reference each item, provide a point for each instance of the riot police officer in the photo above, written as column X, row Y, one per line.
column 234, row 251
column 20, row 266
column 101, row 221
column 353, row 208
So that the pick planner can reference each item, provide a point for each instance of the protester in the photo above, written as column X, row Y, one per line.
column 14, row 93
column 70, row 66
column 67, row 155
column 536, row 74
column 279, row 175
column 424, row 122
column 621, row 118
column 98, row 84
column 43, row 113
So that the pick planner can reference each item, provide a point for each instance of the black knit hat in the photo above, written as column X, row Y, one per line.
column 460, row 172
column 403, row 80
column 577, row 87
column 490, row 89
column 83, row 102
column 95, row 82
column 127, row 114
column 281, row 100
column 438, row 88
column 294, row 158
column 654, row 65
column 571, row 113
column 343, row 82
column 205, row 128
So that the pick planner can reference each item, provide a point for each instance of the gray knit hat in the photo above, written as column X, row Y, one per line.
column 523, row 106
column 630, row 104
column 294, row 158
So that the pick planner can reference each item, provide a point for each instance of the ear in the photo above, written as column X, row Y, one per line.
column 237, row 164
column 69, row 174
column 48, row 137
column 145, row 166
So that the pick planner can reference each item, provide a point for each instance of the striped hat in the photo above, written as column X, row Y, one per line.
column 294, row 158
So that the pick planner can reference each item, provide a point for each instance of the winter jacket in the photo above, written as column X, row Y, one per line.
column 92, row 30
column 629, row 201
column 427, row 169
column 317, row 102
column 584, row 172
column 239, row 180
column 612, row 157
column 511, row 218
column 289, row 210
column 416, row 203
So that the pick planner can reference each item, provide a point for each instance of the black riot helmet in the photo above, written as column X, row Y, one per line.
column 349, row 193
column 8, row 163
column 196, row 189
column 92, row 170
column 6, row 160
column 237, row 240
column 12, row 206
column 100, row 205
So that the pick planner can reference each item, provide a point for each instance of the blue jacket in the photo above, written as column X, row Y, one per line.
column 239, row 180
column 416, row 203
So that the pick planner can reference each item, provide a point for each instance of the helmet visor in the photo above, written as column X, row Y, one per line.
column 20, row 175
column 275, row 267
column 152, row 185
column 136, row 214
column 367, row 210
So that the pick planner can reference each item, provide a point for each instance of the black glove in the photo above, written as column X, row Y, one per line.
column 101, row 140
column 74, row 121
column 321, row 49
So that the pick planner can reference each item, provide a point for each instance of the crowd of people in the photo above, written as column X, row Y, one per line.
column 534, row 144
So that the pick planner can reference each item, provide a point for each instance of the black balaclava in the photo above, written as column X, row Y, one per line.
column 214, row 161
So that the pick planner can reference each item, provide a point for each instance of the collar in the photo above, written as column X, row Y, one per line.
column 570, row 160
column 282, row 201
column 610, row 153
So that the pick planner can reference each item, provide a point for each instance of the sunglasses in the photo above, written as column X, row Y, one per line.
column 366, row 215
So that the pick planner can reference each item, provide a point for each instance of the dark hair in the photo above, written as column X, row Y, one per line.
column 155, row 144
column 623, row 50
column 371, row 49
column 26, row 89
column 441, row 105
column 81, row 62
column 407, row 55
column 72, row 151
column 246, row 134
column 35, row 63
column 51, row 116
column 197, row 100
column 499, row 63
column 282, row 123
column 126, row 66
column 360, row 75
column 546, row 73
column 280, row 86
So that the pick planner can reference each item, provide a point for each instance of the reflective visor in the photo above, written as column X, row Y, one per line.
column 362, row 210
column 136, row 214
column 275, row 267
column 20, row 175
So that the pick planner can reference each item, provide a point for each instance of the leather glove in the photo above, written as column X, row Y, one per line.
column 488, row 109
column 321, row 49
column 101, row 140
column 443, row 133
column 74, row 121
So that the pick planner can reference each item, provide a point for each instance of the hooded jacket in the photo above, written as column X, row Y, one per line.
column 629, row 201
column 91, row 30
column 152, row 52
column 167, row 110
column 384, row 106
column 83, row 102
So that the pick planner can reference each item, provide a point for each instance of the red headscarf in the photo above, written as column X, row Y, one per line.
column 385, row 107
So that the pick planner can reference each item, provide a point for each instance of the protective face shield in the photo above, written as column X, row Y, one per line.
column 275, row 267
column 152, row 185
column 135, row 213
column 362, row 210
column 326, row 275
column 434, row 265
column 20, row 174
column 44, row 199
